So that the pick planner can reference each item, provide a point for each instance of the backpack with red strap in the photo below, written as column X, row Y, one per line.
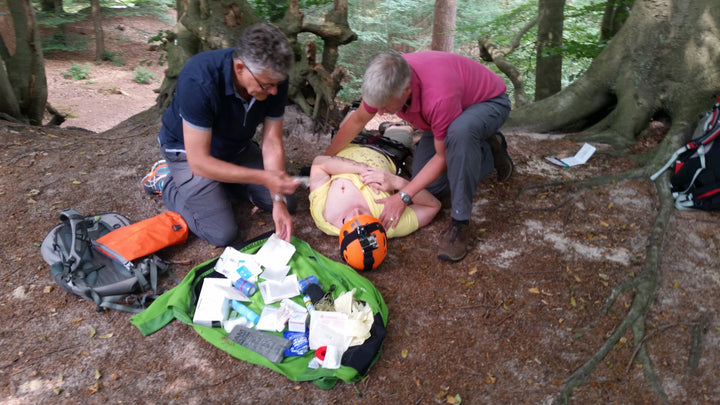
column 695, row 182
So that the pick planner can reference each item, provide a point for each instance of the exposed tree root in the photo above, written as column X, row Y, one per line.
column 644, row 286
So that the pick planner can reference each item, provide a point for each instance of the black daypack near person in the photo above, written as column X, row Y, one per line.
column 396, row 150
column 81, row 267
column 695, row 182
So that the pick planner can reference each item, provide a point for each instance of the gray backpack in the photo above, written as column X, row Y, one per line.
column 84, row 270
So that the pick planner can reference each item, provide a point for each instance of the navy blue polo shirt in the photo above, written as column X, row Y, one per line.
column 206, row 98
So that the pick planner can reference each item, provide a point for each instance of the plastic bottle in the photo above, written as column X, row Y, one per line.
column 308, row 304
column 243, row 310
column 245, row 286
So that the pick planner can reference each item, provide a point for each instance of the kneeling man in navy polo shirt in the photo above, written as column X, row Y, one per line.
column 207, row 135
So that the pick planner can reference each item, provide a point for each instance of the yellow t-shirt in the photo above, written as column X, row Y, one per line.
column 408, row 222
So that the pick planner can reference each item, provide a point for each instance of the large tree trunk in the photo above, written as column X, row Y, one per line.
column 663, row 61
column 443, row 34
column 213, row 24
column 548, row 68
column 99, row 35
column 23, row 89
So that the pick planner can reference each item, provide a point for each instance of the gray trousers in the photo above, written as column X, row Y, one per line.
column 468, row 155
column 206, row 204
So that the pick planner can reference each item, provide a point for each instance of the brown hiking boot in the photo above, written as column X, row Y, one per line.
column 454, row 242
column 503, row 163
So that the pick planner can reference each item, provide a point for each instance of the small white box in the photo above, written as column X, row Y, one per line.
column 297, row 322
column 213, row 305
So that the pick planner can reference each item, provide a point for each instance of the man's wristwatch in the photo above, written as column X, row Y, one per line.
column 280, row 198
column 405, row 197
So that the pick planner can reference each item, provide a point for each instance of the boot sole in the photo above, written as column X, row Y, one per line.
column 443, row 256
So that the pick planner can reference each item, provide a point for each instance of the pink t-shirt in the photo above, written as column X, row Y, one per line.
column 443, row 85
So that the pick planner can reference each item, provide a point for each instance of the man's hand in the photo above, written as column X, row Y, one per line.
column 280, row 183
column 283, row 221
column 392, row 211
column 379, row 179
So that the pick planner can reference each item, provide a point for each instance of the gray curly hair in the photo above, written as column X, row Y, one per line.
column 264, row 48
column 386, row 76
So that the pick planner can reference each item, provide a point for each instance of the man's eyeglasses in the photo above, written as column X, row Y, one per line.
column 264, row 87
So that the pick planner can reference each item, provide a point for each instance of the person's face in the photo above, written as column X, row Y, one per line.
column 394, row 104
column 257, row 85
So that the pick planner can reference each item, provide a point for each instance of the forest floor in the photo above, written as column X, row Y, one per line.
column 507, row 325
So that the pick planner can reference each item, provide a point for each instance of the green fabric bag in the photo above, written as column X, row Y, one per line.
column 179, row 303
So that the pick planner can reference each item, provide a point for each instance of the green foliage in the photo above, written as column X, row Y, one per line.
column 61, row 42
column 143, row 76
column 114, row 57
column 381, row 26
column 77, row 72
column 406, row 26
column 274, row 10
column 75, row 10
column 581, row 35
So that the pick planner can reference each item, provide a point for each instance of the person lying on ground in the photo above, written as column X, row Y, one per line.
column 460, row 105
column 358, row 180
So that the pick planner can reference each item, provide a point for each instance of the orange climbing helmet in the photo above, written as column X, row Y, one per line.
column 363, row 243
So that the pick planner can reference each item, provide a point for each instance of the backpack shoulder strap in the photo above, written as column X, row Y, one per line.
column 79, row 241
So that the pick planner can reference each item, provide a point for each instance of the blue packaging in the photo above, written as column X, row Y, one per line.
column 299, row 343
column 245, row 286
column 243, row 310
column 305, row 282
column 244, row 272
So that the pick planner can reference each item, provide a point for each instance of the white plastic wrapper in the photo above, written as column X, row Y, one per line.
column 273, row 291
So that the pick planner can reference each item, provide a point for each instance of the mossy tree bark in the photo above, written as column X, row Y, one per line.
column 662, row 61
column 23, row 87
column 214, row 24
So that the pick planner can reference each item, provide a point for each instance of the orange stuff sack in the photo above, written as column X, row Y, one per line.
column 144, row 238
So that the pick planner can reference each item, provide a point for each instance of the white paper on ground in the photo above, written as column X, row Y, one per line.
column 581, row 157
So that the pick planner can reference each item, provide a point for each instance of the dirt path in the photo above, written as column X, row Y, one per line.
column 112, row 92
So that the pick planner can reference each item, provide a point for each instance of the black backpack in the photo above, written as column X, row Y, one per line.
column 397, row 152
column 696, row 179
column 82, row 269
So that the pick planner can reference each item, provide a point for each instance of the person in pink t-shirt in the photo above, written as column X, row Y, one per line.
column 460, row 105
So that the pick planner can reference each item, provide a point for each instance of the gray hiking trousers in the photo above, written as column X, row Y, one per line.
column 468, row 155
column 206, row 204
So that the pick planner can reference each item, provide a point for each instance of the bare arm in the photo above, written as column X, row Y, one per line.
column 279, row 182
column 324, row 166
column 425, row 205
column 202, row 163
column 351, row 126
column 431, row 171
